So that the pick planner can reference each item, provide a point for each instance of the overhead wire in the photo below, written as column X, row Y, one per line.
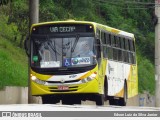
column 129, row 2
column 141, row 5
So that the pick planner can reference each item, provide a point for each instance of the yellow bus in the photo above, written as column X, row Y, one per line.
column 74, row 61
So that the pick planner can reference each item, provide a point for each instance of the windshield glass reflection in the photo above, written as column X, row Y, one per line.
column 51, row 52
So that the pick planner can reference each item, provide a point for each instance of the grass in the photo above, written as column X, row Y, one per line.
column 13, row 65
column 146, row 75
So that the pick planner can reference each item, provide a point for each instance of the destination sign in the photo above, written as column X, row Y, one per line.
column 62, row 28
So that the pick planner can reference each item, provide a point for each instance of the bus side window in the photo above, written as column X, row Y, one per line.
column 126, row 44
column 98, row 48
column 104, row 46
column 122, row 43
column 103, row 38
column 129, row 46
column 115, row 41
column 125, row 55
column 118, row 42
column 110, row 52
column 98, row 34
column 134, row 58
column 119, row 55
column 133, row 46
column 108, row 39
column 130, row 57
column 115, row 54
column 112, row 40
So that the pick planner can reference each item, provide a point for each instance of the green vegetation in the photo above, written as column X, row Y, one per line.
column 120, row 14
column 13, row 65
column 146, row 75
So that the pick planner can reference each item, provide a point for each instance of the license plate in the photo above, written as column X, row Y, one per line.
column 63, row 87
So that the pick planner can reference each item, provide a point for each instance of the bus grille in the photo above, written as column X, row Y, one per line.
column 70, row 81
column 62, row 90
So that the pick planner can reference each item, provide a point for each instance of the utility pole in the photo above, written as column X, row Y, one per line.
column 33, row 18
column 157, row 53
column 33, row 12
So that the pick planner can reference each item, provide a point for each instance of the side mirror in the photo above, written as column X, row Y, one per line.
column 27, row 46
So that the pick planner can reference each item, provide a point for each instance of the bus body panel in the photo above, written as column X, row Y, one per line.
column 116, row 74
column 93, row 86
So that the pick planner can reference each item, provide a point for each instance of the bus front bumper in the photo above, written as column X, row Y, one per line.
column 89, row 87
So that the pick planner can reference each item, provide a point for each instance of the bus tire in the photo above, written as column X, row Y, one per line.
column 70, row 101
column 49, row 100
column 123, row 101
column 105, row 89
column 67, row 102
column 113, row 102
column 99, row 100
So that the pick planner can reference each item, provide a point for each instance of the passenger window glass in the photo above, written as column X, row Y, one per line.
column 110, row 53
column 118, row 42
column 126, row 45
column 133, row 46
column 103, row 37
column 122, row 43
column 119, row 55
column 129, row 47
column 115, row 54
column 108, row 36
column 125, row 55
column 104, row 51
column 113, row 40
column 98, row 34
column 134, row 58
column 130, row 57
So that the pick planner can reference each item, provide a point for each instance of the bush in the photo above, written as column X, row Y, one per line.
column 145, row 75
column 8, row 31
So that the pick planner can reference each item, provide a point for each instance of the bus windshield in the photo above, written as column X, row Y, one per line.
column 52, row 52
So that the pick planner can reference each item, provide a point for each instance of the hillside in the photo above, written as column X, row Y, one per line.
column 128, row 16
column 13, row 65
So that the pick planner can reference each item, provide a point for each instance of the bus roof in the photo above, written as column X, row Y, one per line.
column 104, row 27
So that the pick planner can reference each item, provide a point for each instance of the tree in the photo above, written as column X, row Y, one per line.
column 19, row 16
column 4, row 2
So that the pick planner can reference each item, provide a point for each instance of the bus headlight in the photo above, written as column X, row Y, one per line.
column 35, row 79
column 89, row 78
column 93, row 75
column 40, row 81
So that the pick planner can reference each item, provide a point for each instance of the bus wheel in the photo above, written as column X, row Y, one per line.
column 123, row 101
column 113, row 102
column 71, row 101
column 105, row 90
column 49, row 100
column 99, row 100
column 67, row 102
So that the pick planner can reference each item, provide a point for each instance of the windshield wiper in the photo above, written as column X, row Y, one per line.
column 75, row 43
column 50, row 45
